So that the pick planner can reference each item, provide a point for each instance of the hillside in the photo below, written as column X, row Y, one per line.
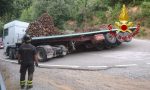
column 77, row 14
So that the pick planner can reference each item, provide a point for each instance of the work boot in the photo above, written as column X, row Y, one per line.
column 30, row 86
column 22, row 84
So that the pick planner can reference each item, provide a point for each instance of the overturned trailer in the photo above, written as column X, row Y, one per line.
column 57, row 45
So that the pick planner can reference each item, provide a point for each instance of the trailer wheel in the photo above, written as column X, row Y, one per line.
column 110, row 38
column 119, row 36
column 41, row 54
column 11, row 53
column 116, row 44
column 129, row 38
column 99, row 46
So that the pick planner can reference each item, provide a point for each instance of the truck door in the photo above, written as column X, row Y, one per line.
column 5, row 38
column 8, row 38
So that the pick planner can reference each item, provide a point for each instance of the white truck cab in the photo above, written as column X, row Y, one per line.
column 12, row 34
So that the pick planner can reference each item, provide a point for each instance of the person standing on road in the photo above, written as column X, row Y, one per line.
column 27, row 57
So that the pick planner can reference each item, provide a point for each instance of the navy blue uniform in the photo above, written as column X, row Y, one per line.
column 27, row 54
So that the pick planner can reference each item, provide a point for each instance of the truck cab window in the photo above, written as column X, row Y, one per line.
column 6, row 32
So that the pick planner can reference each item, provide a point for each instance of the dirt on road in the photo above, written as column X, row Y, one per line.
column 62, row 79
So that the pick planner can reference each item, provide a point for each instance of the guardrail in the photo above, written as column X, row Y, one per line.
column 2, row 85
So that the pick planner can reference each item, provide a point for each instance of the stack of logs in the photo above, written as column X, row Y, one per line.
column 44, row 26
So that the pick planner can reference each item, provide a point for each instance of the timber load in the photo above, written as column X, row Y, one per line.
column 43, row 26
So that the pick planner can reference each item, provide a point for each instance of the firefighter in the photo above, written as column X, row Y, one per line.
column 27, row 58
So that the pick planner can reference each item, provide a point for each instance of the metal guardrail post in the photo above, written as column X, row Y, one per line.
column 2, row 85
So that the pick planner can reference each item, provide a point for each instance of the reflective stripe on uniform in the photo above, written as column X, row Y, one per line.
column 22, row 82
column 29, row 83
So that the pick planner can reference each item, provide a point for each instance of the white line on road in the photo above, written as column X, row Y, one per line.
column 64, row 66
column 126, row 65
column 97, row 66
column 9, row 61
column 75, row 66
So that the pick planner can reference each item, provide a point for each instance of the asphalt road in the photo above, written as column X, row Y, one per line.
column 126, row 67
column 131, row 59
column 134, row 52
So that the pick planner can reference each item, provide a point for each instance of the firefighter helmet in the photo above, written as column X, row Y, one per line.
column 26, row 38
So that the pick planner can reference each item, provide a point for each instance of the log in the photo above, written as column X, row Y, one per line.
column 43, row 26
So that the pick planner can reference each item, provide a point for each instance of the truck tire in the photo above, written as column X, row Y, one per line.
column 119, row 36
column 64, row 50
column 99, row 46
column 12, row 53
column 116, row 44
column 129, row 37
column 7, row 52
column 110, row 38
column 41, row 54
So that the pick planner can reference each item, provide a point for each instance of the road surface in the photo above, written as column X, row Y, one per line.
column 137, row 51
column 122, row 68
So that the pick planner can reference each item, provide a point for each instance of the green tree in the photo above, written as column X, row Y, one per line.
column 20, row 6
column 26, row 15
column 58, row 9
column 5, row 6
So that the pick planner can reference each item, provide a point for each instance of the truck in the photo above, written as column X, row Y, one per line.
column 57, row 45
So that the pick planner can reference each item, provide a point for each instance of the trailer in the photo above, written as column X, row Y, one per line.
column 57, row 45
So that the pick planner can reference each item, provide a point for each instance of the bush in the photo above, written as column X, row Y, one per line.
column 146, row 13
column 1, row 28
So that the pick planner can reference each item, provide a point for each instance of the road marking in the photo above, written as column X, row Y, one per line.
column 9, row 61
column 75, row 66
column 126, row 65
column 59, row 66
column 97, row 66
column 64, row 66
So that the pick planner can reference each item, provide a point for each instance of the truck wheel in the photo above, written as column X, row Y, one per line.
column 118, row 43
column 129, row 37
column 120, row 36
column 41, row 54
column 7, row 52
column 11, row 53
column 110, row 38
column 64, row 50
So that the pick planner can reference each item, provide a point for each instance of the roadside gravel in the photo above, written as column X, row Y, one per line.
column 62, row 79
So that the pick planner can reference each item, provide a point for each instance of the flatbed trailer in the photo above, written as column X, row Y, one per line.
column 69, row 37
column 76, row 37
column 97, row 39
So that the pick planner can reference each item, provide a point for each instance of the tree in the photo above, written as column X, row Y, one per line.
column 20, row 6
column 5, row 6
column 58, row 9
column 26, row 15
